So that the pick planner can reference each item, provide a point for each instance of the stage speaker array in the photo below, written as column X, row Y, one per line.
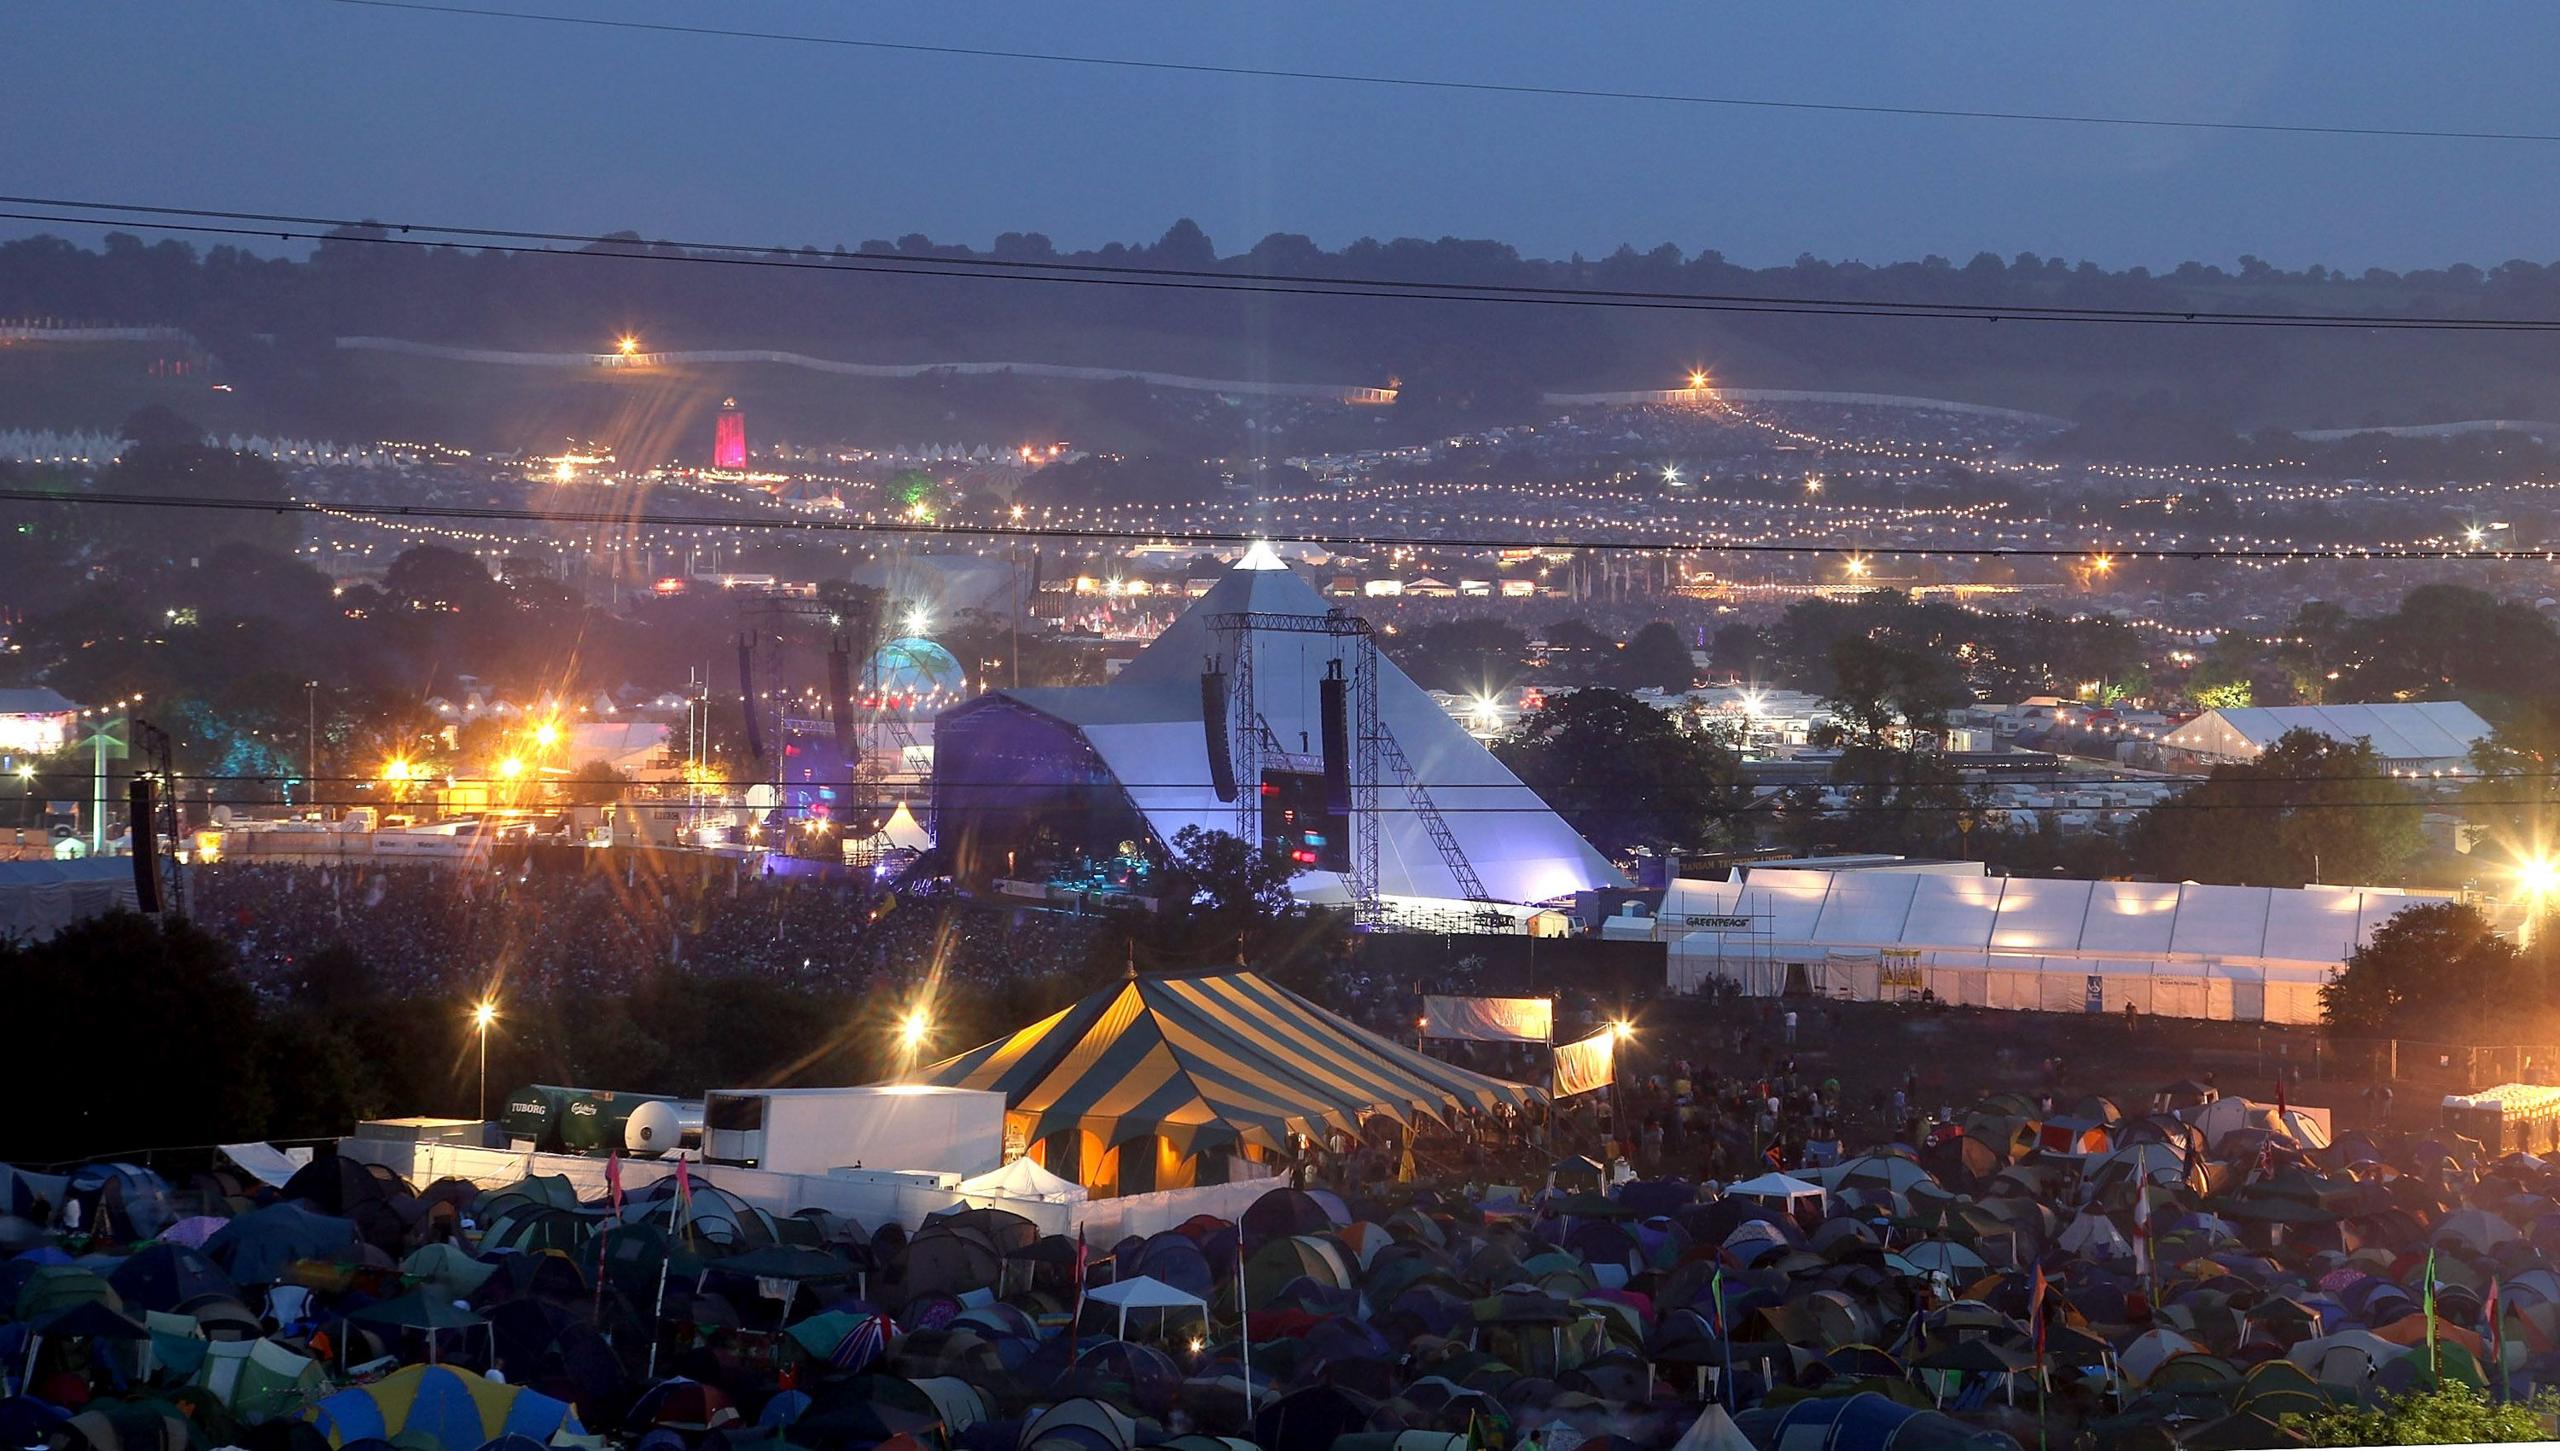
column 1213, row 732
column 1333, row 695
column 146, row 844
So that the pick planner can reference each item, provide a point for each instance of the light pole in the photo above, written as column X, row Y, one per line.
column 311, row 737
column 482, row 1016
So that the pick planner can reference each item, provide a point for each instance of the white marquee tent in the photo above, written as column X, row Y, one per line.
column 2252, row 954
column 2412, row 735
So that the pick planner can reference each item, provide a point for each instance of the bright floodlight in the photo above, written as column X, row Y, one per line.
column 1623, row 1029
column 2475, row 534
column 546, row 734
column 919, row 619
column 626, row 345
column 26, row 772
column 483, row 1015
column 511, row 768
column 1671, row 473
column 2539, row 875
column 2103, row 563
column 912, row 1028
column 1857, row 566
column 1697, row 377
column 1813, row 483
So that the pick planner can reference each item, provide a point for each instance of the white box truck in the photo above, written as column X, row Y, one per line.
column 886, row 1126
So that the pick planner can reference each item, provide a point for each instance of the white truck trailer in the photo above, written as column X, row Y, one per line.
column 884, row 1126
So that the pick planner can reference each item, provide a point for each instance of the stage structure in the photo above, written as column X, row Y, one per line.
column 1261, row 713
column 813, row 762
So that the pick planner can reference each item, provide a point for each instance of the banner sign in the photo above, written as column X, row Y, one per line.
column 1698, row 923
column 1489, row 1020
column 1899, row 967
column 1586, row 1065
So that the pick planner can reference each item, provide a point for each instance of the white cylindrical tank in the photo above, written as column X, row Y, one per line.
column 661, row 1125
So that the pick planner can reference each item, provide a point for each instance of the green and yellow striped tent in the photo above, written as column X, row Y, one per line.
column 1223, row 1060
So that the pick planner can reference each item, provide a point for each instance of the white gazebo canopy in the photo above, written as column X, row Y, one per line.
column 1024, row 1179
column 1145, row 1292
column 1785, row 1187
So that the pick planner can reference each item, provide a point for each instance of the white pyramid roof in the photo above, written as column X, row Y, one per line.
column 1146, row 727
column 903, row 832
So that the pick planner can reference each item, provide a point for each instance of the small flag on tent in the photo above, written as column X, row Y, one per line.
column 684, row 1181
column 613, row 1180
column 2280, row 1106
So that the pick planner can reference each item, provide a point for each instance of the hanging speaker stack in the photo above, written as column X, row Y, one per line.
column 1333, row 695
column 146, row 845
column 1213, row 731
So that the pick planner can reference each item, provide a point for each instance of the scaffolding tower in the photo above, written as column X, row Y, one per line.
column 1251, row 741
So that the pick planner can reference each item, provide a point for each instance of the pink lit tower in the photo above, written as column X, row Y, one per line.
column 729, row 440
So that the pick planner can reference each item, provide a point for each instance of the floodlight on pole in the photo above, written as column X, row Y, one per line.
column 2537, row 876
column 483, row 1014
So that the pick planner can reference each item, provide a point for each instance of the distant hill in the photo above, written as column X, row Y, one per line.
column 271, row 322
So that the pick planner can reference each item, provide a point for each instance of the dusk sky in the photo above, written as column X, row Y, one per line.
column 306, row 105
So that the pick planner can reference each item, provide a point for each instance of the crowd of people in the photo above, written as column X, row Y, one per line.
column 430, row 931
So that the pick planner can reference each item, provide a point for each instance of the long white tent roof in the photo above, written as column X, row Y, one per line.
column 2401, row 731
column 1145, row 725
column 2031, row 916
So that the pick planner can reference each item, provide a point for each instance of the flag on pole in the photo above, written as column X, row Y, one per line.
column 613, row 1181
column 2035, row 1315
column 2497, row 1337
column 2280, row 1106
column 2429, row 1307
column 1724, row 1336
column 2142, row 1233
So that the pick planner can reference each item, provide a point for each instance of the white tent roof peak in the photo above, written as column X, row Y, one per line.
column 1262, row 556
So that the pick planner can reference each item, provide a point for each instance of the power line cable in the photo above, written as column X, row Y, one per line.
column 1425, row 83
column 285, row 227
column 1206, row 538
column 528, row 783
column 1757, row 807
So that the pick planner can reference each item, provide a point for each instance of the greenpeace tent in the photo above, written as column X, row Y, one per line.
column 1214, row 1061
column 1146, row 1293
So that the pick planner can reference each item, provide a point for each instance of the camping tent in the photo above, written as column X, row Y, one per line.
column 1225, row 1060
